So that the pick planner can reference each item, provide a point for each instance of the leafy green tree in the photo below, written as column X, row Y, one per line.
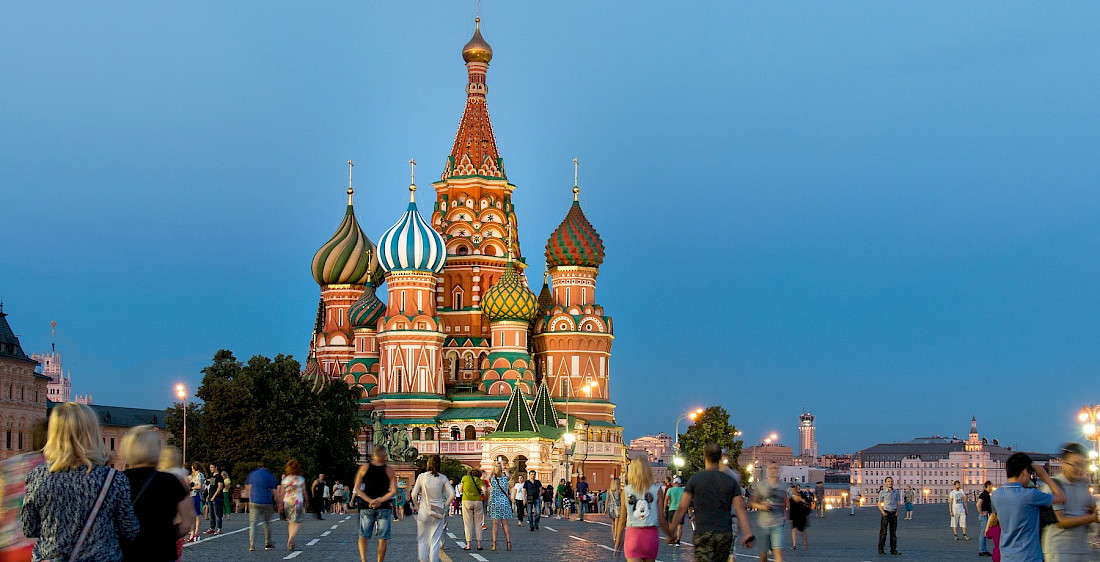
column 712, row 425
column 264, row 409
column 449, row 467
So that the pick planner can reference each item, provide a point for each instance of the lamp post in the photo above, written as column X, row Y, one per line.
column 182, row 394
column 587, row 388
column 686, row 416
column 1088, row 418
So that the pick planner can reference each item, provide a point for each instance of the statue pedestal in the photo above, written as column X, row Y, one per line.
column 405, row 472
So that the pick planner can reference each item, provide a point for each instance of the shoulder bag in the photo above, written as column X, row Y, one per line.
column 91, row 517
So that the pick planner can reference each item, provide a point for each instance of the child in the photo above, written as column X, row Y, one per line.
column 993, row 533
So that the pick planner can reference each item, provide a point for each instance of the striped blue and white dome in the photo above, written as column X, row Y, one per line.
column 411, row 244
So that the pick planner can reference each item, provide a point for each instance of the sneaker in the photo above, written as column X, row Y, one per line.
column 966, row 537
column 269, row 546
column 251, row 548
column 895, row 553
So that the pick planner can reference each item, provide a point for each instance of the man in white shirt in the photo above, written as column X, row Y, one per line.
column 956, row 507
column 520, row 495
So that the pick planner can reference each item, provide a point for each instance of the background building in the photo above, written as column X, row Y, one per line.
column 60, row 387
column 22, row 393
column 807, row 438
column 657, row 447
column 931, row 465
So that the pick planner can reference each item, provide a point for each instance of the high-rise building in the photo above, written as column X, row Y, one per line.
column 807, row 436
column 462, row 357
column 60, row 387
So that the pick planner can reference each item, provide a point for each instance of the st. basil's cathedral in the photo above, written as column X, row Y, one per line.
column 462, row 355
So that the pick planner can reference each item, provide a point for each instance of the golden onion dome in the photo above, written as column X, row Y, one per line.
column 477, row 49
column 509, row 298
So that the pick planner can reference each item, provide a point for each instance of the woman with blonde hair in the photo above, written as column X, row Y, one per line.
column 294, row 499
column 614, row 508
column 500, row 504
column 75, row 506
column 431, row 495
column 643, row 508
column 159, row 499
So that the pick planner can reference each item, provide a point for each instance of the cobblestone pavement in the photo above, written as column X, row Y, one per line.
column 839, row 536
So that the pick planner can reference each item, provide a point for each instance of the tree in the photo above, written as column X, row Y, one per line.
column 712, row 425
column 264, row 409
column 449, row 467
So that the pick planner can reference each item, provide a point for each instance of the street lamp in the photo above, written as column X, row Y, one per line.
column 689, row 415
column 926, row 495
column 1088, row 418
column 182, row 394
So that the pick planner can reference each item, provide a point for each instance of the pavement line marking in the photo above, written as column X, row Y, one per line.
column 313, row 542
column 602, row 523
column 604, row 546
column 333, row 527
column 549, row 528
column 212, row 537
column 578, row 538
column 292, row 555
column 326, row 533
column 452, row 535
column 479, row 557
column 346, row 518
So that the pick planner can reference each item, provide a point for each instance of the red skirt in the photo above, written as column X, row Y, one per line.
column 641, row 542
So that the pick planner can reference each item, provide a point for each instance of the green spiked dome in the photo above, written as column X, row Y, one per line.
column 509, row 298
column 349, row 257
column 365, row 312
column 313, row 374
column 574, row 242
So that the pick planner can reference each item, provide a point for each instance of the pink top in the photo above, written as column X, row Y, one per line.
column 994, row 533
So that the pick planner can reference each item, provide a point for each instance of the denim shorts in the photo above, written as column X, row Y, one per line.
column 772, row 538
column 375, row 523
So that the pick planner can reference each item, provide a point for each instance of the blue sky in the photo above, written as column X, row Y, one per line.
column 885, row 211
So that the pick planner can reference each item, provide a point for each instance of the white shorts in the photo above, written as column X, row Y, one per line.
column 958, row 519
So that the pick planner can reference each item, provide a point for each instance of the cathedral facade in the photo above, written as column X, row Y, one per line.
column 457, row 351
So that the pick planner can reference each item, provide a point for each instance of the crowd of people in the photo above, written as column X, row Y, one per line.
column 63, row 502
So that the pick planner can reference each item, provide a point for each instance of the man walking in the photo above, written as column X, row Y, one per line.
column 582, row 496
column 985, row 507
column 770, row 501
column 317, row 496
column 673, row 497
column 1068, row 539
column 375, row 486
column 533, row 489
column 214, row 489
column 713, row 492
column 888, row 501
column 261, row 485
column 853, row 499
column 1017, row 508
column 819, row 499
column 956, row 510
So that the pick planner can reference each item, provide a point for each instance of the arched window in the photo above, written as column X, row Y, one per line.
column 455, row 434
column 471, row 433
column 457, row 299
column 490, row 251
column 416, row 434
column 429, row 433
column 463, row 250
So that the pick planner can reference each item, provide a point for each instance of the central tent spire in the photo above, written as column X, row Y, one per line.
column 475, row 149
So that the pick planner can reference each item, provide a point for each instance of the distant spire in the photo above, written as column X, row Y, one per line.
column 576, row 187
column 350, row 189
column 53, row 331
column 412, row 180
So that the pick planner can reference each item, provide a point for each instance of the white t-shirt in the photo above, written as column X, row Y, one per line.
column 958, row 500
column 519, row 493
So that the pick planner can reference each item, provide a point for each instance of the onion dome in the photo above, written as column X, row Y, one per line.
column 365, row 312
column 574, row 242
column 411, row 244
column 349, row 257
column 477, row 49
column 313, row 375
column 509, row 298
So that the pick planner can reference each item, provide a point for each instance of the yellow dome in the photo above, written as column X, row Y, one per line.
column 509, row 298
column 477, row 49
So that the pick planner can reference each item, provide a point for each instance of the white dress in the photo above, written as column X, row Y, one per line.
column 428, row 491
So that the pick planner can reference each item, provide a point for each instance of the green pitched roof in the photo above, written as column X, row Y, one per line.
column 543, row 408
column 516, row 416
column 470, row 413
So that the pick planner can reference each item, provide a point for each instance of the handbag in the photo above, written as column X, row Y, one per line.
column 91, row 517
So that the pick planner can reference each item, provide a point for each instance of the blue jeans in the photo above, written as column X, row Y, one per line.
column 583, row 507
column 375, row 523
column 534, row 512
column 982, row 521
column 216, row 513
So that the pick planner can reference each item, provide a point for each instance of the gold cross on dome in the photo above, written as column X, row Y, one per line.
column 412, row 171
column 350, row 166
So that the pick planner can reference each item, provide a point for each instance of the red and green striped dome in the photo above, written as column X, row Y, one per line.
column 574, row 242
column 365, row 312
